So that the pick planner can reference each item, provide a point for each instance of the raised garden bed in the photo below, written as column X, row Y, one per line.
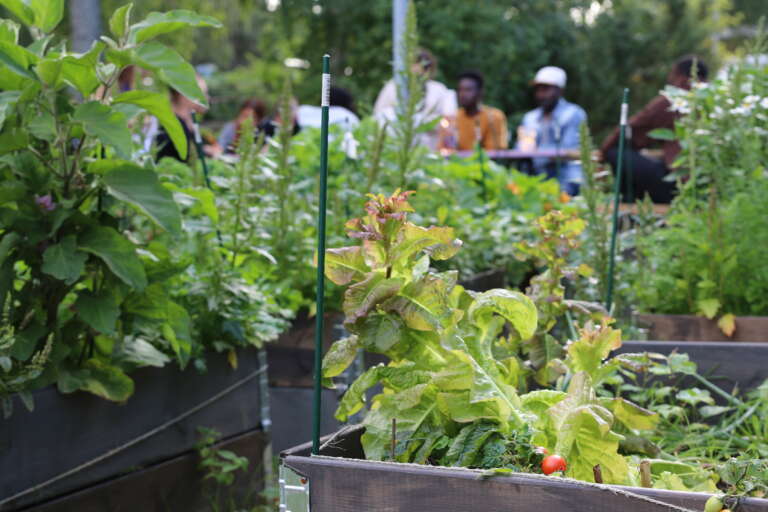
column 68, row 431
column 696, row 328
column 341, row 480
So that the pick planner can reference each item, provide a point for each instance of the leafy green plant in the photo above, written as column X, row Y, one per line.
column 87, row 276
column 450, row 391
column 707, row 261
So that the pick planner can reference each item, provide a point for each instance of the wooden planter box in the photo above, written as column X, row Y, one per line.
column 66, row 431
column 339, row 480
column 696, row 328
column 176, row 484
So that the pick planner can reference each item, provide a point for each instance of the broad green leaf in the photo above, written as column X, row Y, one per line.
column 515, row 307
column 423, row 304
column 18, row 59
column 708, row 307
column 151, row 303
column 106, row 381
column 106, row 124
column 404, row 377
column 63, row 260
column 99, row 311
column 143, row 353
column 198, row 200
column 171, row 69
column 458, row 407
column 8, row 101
column 708, row 411
column 79, row 70
column 9, row 31
column 582, row 429
column 21, row 10
column 726, row 323
column 13, row 139
column 340, row 356
column 413, row 409
column 680, row 363
column 158, row 23
column 631, row 415
column 694, row 396
column 117, row 253
column 440, row 242
column 537, row 402
column 588, row 352
column 378, row 332
column 43, row 126
column 49, row 71
column 159, row 106
column 344, row 264
column 119, row 23
column 141, row 188
column 465, row 449
column 48, row 13
column 366, row 295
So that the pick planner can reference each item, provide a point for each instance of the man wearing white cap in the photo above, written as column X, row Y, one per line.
column 555, row 124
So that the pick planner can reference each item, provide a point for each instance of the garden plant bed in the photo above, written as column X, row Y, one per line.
column 56, row 438
column 339, row 481
column 696, row 328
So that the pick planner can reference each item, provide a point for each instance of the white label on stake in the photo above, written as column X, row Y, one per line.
column 325, row 100
column 624, row 109
column 196, row 129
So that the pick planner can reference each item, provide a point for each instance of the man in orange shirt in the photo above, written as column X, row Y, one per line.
column 475, row 121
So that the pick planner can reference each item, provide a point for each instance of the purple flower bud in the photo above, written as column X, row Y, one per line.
column 45, row 202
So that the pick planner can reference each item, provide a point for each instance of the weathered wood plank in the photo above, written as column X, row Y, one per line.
column 727, row 364
column 66, row 431
column 343, row 485
column 172, row 485
column 696, row 328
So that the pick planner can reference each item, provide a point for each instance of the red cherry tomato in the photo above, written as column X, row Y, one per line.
column 553, row 463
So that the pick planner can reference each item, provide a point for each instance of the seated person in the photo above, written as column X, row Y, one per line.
column 183, row 107
column 555, row 126
column 648, row 173
column 476, row 122
column 437, row 100
column 253, row 108
column 341, row 111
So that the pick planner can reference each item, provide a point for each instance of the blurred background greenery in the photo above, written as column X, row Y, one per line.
column 604, row 45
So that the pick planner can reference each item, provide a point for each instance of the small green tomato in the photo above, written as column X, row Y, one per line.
column 713, row 504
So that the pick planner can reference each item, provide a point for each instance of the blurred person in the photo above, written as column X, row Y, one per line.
column 253, row 108
column 476, row 122
column 648, row 173
column 183, row 107
column 341, row 112
column 554, row 125
column 438, row 101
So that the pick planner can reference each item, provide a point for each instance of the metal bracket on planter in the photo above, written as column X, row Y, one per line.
column 294, row 491
column 265, row 413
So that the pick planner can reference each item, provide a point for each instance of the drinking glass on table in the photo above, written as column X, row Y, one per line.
column 526, row 139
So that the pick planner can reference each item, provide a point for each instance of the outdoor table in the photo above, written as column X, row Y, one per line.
column 516, row 154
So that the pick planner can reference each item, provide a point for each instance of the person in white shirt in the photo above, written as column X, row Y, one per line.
column 341, row 111
column 438, row 100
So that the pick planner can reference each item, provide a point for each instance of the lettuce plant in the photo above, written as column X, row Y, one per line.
column 449, row 387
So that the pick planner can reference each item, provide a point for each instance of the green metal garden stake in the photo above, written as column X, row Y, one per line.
column 616, row 196
column 324, row 104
